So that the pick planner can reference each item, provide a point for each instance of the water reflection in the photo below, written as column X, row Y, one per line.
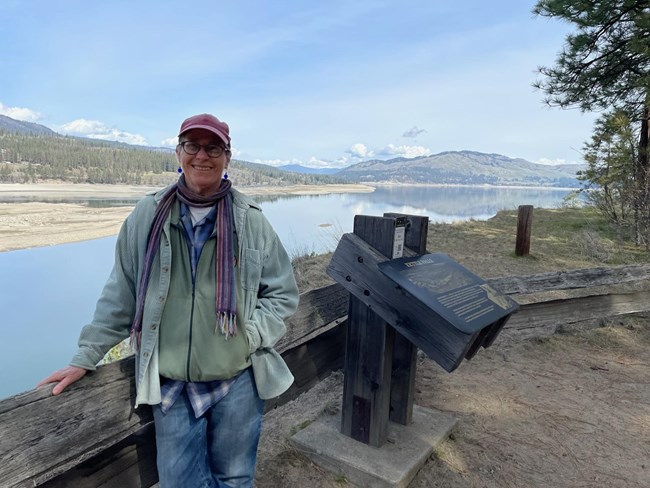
column 309, row 223
column 102, row 202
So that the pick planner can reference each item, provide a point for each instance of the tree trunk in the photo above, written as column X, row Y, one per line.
column 643, row 206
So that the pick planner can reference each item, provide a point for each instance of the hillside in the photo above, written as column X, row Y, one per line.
column 463, row 167
column 27, row 156
column 7, row 124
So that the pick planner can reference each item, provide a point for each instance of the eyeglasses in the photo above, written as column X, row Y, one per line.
column 212, row 150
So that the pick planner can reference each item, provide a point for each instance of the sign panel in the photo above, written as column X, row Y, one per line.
column 456, row 294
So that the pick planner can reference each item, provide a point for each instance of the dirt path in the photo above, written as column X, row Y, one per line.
column 569, row 411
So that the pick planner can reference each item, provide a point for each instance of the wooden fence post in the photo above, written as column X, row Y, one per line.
column 524, row 227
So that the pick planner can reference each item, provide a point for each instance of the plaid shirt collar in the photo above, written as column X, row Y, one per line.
column 196, row 235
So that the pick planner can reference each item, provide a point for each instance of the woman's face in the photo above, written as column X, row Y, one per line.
column 203, row 174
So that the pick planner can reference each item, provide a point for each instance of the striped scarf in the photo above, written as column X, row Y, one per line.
column 226, row 305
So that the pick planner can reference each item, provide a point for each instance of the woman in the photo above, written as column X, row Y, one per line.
column 202, row 285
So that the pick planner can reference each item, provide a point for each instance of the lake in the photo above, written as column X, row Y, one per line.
column 48, row 294
column 314, row 223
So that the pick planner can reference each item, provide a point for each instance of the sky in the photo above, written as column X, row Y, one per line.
column 324, row 83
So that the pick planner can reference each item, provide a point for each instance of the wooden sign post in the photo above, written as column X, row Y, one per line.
column 402, row 389
column 398, row 304
column 380, row 364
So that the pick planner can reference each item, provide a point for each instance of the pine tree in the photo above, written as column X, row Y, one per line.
column 605, row 65
column 610, row 157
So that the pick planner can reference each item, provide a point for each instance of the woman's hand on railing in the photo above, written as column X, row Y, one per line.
column 64, row 377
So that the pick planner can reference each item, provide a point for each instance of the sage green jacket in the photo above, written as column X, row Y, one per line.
column 265, row 277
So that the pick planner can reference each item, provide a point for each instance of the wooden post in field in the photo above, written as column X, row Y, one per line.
column 524, row 227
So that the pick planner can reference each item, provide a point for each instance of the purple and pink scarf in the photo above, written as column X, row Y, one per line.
column 226, row 305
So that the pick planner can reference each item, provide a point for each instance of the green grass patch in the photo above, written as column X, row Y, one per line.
column 297, row 428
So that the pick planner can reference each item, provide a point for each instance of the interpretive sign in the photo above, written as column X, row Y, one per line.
column 456, row 294
column 397, row 305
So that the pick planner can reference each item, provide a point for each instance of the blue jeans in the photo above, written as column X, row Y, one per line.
column 219, row 449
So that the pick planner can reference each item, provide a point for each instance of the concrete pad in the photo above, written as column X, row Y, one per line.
column 393, row 465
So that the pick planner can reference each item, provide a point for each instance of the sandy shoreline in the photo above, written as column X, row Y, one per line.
column 35, row 224
column 82, row 190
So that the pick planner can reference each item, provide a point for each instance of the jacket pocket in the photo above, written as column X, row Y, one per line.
column 251, row 269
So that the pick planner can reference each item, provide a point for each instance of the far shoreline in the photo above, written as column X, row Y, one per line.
column 81, row 190
column 484, row 185
column 12, row 191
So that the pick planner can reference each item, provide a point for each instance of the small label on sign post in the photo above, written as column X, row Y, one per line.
column 398, row 241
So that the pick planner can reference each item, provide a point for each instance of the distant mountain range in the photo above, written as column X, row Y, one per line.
column 454, row 168
column 463, row 167
column 451, row 167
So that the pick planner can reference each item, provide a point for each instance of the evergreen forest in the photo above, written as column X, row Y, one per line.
column 29, row 158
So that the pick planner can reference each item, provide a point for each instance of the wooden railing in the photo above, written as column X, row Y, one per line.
column 92, row 436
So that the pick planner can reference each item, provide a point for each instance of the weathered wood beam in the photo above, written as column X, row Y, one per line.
column 567, row 280
column 42, row 436
column 130, row 463
column 543, row 318
column 318, row 308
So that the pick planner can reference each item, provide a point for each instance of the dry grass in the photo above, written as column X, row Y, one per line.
column 569, row 238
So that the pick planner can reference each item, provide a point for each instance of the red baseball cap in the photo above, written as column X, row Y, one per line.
column 208, row 122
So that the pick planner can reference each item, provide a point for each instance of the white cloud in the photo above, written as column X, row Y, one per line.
column 550, row 162
column 94, row 129
column 83, row 126
column 555, row 162
column 413, row 132
column 356, row 153
column 360, row 150
column 169, row 142
column 315, row 162
column 404, row 151
column 18, row 113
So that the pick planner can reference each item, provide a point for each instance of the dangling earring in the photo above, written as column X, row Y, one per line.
column 225, row 176
column 180, row 170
